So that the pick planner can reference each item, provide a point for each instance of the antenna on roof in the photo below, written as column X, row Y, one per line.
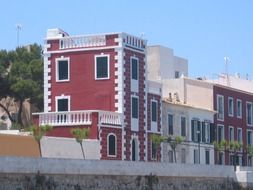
column 18, row 27
column 227, row 61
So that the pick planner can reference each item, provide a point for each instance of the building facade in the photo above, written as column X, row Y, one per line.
column 100, row 82
column 234, row 121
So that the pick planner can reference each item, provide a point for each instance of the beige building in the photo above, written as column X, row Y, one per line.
column 194, row 125
column 163, row 64
column 188, row 112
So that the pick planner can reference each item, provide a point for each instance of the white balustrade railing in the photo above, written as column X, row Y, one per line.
column 82, row 41
column 72, row 118
column 110, row 118
column 65, row 118
column 135, row 42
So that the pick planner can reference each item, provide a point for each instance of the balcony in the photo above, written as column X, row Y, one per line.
column 75, row 118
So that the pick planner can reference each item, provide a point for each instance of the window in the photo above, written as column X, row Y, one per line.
column 230, row 107
column 62, row 103
column 196, row 156
column 249, row 113
column 220, row 107
column 102, row 67
column 183, row 156
column 134, row 68
column 195, row 130
column 221, row 158
column 170, row 124
column 154, row 111
column 207, row 152
column 231, row 134
column 239, row 135
column 177, row 74
column 220, row 133
column 153, row 151
column 111, row 145
column 183, row 126
column 135, row 149
column 170, row 156
column 249, row 137
column 135, row 107
column 205, row 132
column 239, row 108
column 62, row 69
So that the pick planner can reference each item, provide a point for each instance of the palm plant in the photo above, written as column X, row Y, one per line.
column 157, row 140
column 39, row 132
column 80, row 134
column 174, row 143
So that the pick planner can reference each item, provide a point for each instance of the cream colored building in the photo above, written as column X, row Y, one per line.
column 163, row 64
column 179, row 119
column 188, row 105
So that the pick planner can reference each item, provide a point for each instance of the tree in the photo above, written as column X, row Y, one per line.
column 223, row 145
column 173, row 144
column 234, row 147
column 4, row 83
column 80, row 134
column 157, row 140
column 39, row 132
column 22, row 74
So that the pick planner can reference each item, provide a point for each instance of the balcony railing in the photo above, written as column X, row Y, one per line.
column 82, row 41
column 74, row 118
column 110, row 118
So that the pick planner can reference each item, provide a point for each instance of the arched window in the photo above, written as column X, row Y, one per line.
column 111, row 145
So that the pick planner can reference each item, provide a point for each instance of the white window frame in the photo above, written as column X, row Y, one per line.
column 108, row 66
column 239, row 129
column 249, row 124
column 134, row 82
column 217, row 102
column 154, row 123
column 231, row 114
column 251, row 143
column 57, row 68
column 231, row 138
column 238, row 116
column 223, row 135
column 60, row 98
column 135, row 121
column 207, row 129
column 109, row 155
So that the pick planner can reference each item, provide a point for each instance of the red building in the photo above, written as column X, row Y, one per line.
column 99, row 82
column 234, row 121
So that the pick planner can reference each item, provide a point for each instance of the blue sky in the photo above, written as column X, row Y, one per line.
column 202, row 31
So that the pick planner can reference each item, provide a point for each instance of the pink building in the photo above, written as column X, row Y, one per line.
column 99, row 82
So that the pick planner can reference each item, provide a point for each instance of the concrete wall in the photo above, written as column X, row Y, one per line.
column 18, row 145
column 162, row 63
column 54, row 147
column 28, row 173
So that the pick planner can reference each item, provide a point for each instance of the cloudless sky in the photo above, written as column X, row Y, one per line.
column 202, row 31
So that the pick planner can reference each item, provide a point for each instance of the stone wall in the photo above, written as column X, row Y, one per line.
column 109, row 182
column 31, row 173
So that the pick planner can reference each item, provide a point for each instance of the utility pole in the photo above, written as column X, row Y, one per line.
column 18, row 27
